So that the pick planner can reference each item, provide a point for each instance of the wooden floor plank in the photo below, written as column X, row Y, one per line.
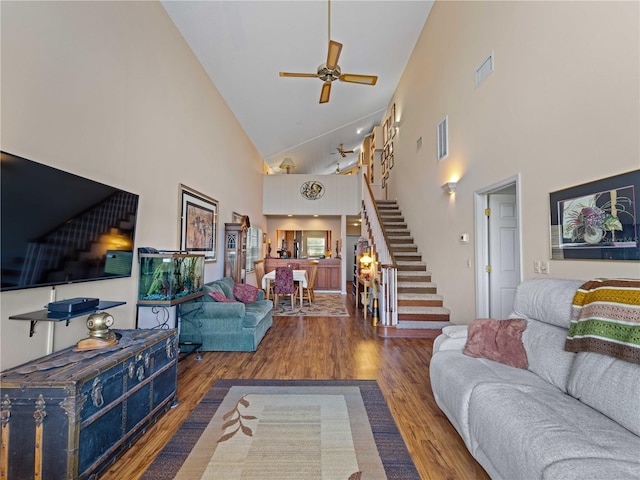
column 325, row 348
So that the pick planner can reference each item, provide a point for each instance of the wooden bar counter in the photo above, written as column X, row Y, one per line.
column 329, row 270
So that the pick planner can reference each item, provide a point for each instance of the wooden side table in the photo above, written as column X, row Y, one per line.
column 363, row 292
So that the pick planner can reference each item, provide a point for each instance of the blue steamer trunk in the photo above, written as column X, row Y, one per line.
column 70, row 414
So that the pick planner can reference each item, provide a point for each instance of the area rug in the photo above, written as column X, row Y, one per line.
column 324, row 305
column 287, row 429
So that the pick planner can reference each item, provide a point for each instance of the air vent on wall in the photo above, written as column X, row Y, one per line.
column 484, row 70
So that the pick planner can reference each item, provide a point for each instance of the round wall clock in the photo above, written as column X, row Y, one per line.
column 312, row 190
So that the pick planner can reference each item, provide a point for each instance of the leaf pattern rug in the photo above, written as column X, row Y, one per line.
column 324, row 305
column 286, row 430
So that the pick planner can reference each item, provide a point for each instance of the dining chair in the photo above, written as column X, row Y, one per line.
column 293, row 265
column 284, row 285
column 258, row 269
column 308, row 290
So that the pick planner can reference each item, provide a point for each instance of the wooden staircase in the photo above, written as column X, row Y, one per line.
column 420, row 308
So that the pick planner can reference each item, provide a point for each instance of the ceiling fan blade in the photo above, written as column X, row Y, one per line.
column 325, row 92
column 288, row 74
column 363, row 79
column 333, row 54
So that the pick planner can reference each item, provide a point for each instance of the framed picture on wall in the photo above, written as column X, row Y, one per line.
column 198, row 223
column 597, row 220
column 393, row 120
column 385, row 133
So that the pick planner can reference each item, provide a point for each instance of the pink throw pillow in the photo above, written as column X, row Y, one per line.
column 245, row 293
column 219, row 297
column 497, row 340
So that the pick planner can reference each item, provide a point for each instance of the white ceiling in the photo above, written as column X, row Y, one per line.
column 243, row 45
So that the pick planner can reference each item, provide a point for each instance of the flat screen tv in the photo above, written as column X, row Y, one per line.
column 58, row 228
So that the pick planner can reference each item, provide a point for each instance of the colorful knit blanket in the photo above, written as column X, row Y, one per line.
column 606, row 319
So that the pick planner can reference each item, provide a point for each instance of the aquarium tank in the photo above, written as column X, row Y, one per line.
column 170, row 278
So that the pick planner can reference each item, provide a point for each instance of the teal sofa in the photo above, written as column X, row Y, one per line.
column 222, row 326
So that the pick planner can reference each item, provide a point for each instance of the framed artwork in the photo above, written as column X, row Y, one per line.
column 312, row 190
column 597, row 220
column 198, row 223
column 385, row 133
column 393, row 120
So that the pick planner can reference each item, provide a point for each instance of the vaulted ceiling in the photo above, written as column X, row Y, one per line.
column 243, row 45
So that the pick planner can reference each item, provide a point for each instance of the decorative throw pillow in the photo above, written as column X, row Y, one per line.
column 219, row 297
column 498, row 340
column 211, row 287
column 245, row 293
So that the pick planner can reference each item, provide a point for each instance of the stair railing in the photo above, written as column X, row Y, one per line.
column 388, row 300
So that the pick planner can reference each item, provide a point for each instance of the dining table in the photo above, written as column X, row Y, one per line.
column 299, row 276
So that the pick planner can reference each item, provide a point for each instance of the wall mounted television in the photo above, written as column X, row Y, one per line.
column 57, row 227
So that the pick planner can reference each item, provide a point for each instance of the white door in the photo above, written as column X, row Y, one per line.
column 504, row 253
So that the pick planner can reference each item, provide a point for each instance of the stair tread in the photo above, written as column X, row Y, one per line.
column 419, row 296
column 413, row 274
column 402, row 284
column 409, row 324
column 424, row 310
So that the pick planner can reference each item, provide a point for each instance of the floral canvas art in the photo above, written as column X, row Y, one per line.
column 597, row 220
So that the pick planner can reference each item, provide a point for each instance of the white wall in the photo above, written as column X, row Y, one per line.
column 341, row 195
column 110, row 91
column 561, row 108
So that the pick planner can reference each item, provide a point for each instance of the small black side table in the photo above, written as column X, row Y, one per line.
column 189, row 348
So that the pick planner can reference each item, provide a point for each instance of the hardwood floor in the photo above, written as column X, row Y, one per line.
column 325, row 348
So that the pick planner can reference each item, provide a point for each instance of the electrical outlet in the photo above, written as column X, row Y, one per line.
column 536, row 266
column 544, row 268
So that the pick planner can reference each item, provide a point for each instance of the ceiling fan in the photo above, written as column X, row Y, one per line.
column 342, row 151
column 330, row 70
column 345, row 170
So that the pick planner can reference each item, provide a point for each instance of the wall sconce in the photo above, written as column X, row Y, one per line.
column 396, row 125
column 450, row 187
column 287, row 164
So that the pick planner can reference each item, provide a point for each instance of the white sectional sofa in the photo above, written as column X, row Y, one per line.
column 566, row 416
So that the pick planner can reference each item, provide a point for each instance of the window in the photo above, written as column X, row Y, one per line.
column 316, row 246
column 443, row 138
column 254, row 247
